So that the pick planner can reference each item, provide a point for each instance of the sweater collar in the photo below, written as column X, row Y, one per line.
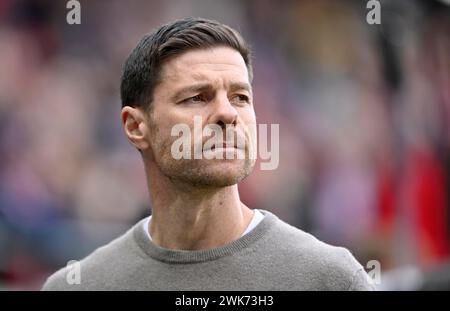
column 189, row 256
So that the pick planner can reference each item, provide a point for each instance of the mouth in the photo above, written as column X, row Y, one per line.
column 224, row 146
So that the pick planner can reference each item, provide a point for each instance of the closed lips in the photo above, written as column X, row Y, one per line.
column 224, row 146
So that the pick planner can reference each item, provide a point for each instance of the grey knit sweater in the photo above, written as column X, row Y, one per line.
column 273, row 256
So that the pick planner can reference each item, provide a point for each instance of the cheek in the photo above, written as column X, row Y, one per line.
column 162, row 138
column 248, row 119
column 162, row 124
column 248, row 116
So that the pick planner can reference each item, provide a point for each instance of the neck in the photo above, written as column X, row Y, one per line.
column 192, row 218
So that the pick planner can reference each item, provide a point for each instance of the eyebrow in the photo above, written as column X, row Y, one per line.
column 202, row 87
column 235, row 86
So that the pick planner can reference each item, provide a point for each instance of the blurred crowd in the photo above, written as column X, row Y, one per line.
column 364, row 115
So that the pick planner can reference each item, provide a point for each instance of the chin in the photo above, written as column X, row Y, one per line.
column 219, row 174
column 215, row 173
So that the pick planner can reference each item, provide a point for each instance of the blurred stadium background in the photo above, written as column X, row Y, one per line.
column 364, row 114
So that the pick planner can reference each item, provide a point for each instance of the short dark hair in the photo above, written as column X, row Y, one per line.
column 142, row 69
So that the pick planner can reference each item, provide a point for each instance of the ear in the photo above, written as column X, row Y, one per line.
column 135, row 125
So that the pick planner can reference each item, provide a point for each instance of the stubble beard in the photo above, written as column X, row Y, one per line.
column 198, row 173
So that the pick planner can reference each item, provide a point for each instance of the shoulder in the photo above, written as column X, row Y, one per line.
column 101, row 266
column 333, row 266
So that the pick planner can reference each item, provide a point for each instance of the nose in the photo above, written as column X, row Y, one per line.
column 223, row 112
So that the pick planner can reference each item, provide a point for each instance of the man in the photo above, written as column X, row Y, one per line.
column 200, row 235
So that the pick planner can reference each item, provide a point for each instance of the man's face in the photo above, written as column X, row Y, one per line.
column 212, row 84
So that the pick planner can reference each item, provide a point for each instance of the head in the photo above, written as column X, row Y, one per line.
column 186, row 69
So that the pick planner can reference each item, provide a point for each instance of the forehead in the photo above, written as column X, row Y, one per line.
column 212, row 64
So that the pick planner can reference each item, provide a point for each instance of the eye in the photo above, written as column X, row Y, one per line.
column 241, row 99
column 194, row 99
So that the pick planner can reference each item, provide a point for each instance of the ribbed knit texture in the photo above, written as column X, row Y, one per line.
column 273, row 256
